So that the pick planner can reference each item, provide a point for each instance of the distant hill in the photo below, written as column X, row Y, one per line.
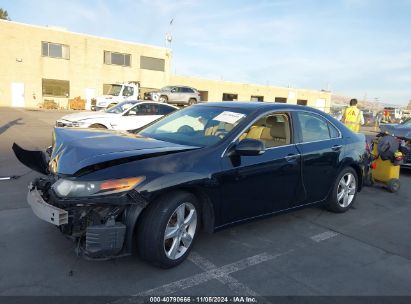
column 340, row 100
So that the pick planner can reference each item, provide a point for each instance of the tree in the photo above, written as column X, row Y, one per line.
column 4, row 14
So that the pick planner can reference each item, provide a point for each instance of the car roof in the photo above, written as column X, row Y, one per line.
column 255, row 105
column 149, row 101
column 159, row 103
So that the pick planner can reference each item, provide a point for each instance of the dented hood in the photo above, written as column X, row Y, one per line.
column 77, row 150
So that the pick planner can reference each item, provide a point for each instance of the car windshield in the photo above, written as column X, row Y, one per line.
column 114, row 90
column 195, row 126
column 165, row 89
column 407, row 122
column 121, row 107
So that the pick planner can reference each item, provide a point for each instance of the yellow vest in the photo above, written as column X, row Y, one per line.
column 352, row 118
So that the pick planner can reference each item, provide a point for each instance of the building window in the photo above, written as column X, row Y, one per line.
column 55, row 50
column 117, row 58
column 280, row 100
column 203, row 95
column 230, row 97
column 151, row 63
column 257, row 98
column 56, row 88
column 302, row 102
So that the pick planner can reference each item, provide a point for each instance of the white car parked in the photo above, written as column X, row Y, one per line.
column 127, row 115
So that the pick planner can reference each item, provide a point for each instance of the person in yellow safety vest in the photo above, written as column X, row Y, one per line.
column 353, row 117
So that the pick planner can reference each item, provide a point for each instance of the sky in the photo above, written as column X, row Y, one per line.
column 357, row 48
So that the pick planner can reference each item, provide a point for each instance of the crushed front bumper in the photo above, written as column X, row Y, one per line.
column 44, row 211
column 101, row 230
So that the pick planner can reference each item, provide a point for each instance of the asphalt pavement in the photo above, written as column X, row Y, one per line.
column 366, row 251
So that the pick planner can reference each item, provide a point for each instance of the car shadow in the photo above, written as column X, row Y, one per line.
column 10, row 124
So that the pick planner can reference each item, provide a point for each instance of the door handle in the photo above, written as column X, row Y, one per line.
column 291, row 157
column 336, row 147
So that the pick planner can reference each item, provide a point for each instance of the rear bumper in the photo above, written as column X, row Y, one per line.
column 44, row 211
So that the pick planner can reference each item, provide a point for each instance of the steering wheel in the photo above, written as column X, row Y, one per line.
column 186, row 130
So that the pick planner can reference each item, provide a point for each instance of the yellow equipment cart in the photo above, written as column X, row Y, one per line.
column 385, row 172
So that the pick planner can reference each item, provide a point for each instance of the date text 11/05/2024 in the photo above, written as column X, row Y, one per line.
column 205, row 299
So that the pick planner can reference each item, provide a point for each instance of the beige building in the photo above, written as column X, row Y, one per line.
column 47, row 63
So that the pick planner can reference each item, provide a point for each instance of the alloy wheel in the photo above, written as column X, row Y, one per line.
column 346, row 190
column 180, row 230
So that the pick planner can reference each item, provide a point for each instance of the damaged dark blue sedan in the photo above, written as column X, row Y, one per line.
column 204, row 167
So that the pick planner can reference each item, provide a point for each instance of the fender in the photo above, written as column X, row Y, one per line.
column 131, row 217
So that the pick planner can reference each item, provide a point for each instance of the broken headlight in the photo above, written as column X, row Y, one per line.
column 69, row 188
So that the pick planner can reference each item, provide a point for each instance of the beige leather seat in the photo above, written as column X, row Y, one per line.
column 255, row 132
column 211, row 130
column 273, row 132
column 218, row 129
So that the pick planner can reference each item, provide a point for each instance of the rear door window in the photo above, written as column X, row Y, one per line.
column 313, row 127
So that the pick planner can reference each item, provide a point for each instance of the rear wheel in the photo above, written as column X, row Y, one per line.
column 163, row 99
column 192, row 101
column 344, row 191
column 168, row 229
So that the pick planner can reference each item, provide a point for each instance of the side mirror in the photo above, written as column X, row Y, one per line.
column 173, row 90
column 132, row 113
column 250, row 147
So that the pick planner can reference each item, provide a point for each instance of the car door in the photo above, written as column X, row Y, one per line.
column 138, row 116
column 186, row 94
column 321, row 146
column 258, row 185
column 174, row 94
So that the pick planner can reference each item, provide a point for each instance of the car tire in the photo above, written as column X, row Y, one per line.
column 192, row 101
column 163, row 99
column 344, row 191
column 393, row 185
column 98, row 126
column 176, row 214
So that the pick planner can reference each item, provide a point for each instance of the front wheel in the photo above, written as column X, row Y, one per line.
column 98, row 126
column 344, row 191
column 168, row 229
column 163, row 99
